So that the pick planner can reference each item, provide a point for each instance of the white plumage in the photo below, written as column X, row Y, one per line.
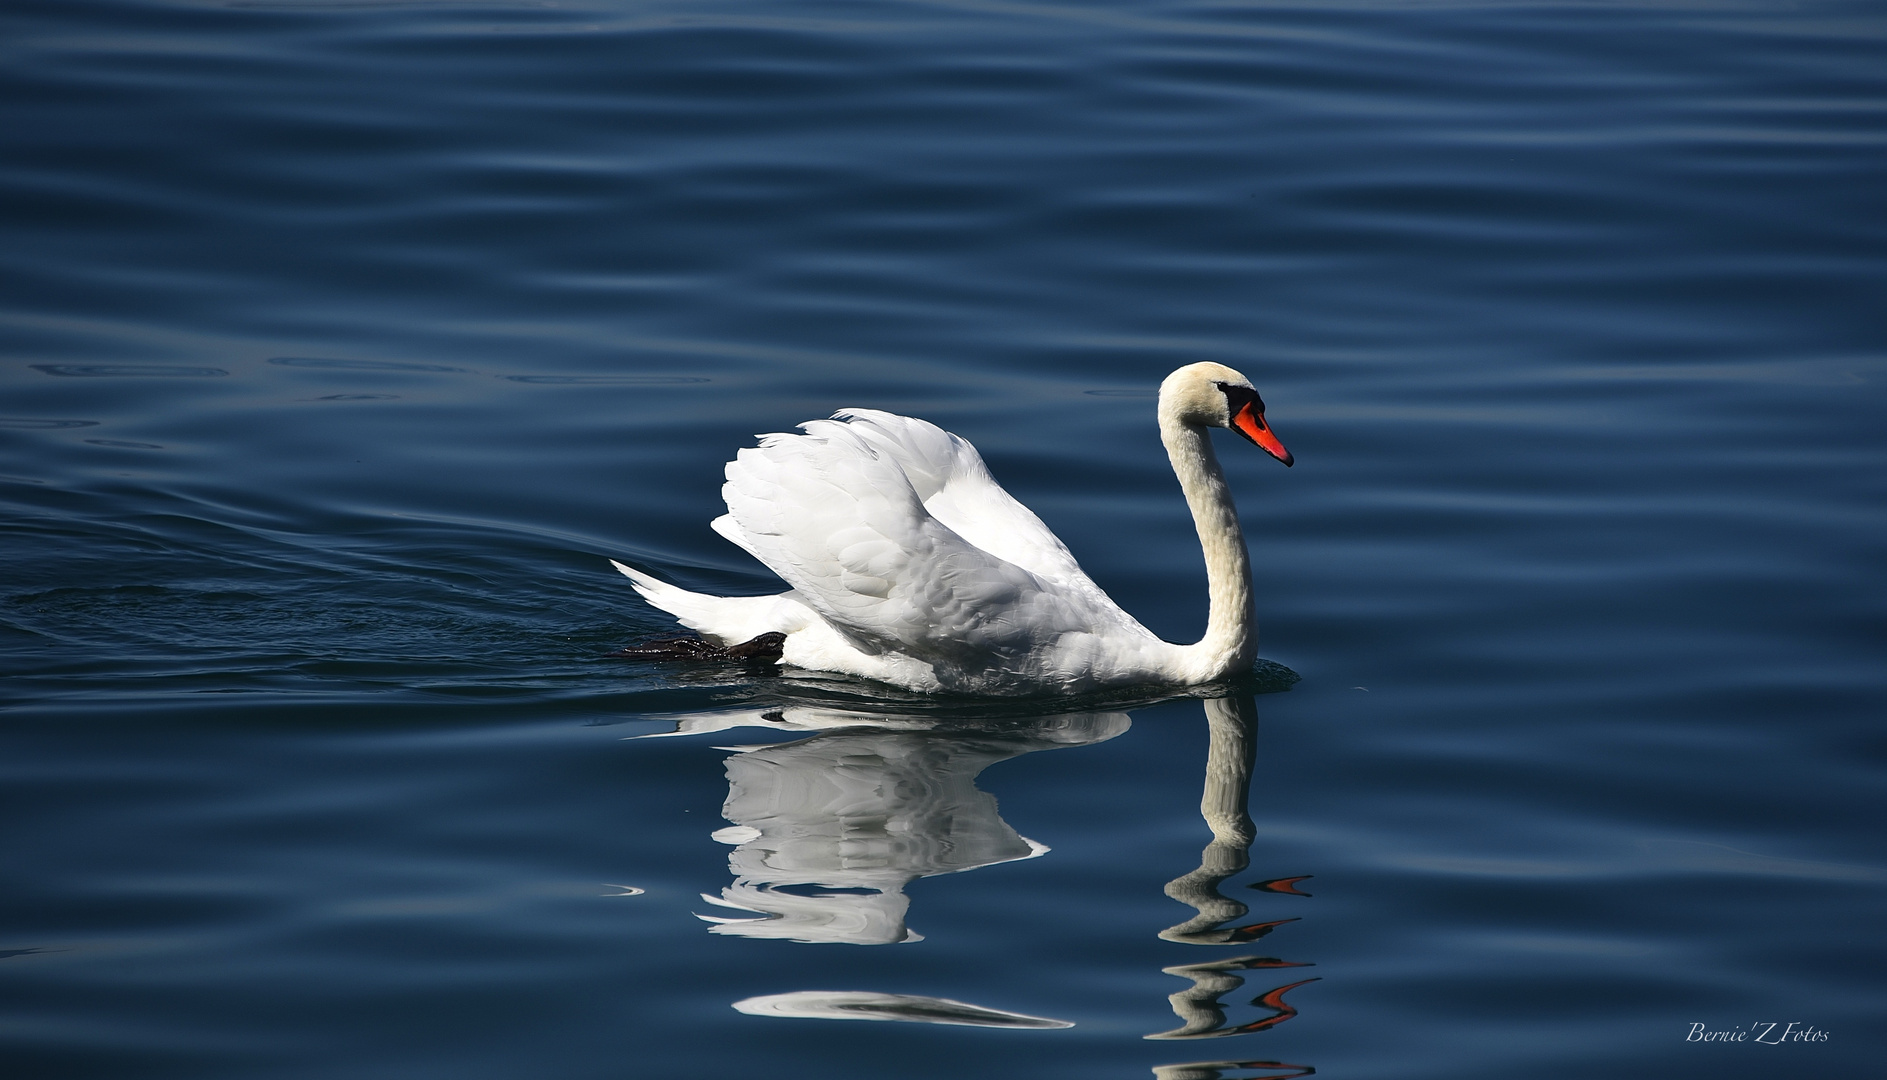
column 909, row 564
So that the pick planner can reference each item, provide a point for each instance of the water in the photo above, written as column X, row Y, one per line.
column 340, row 344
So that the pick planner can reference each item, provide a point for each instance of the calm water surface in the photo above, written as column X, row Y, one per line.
column 341, row 342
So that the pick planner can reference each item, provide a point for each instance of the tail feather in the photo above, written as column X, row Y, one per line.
column 725, row 620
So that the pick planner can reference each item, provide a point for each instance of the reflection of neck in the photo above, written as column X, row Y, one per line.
column 1233, row 727
column 1204, row 1013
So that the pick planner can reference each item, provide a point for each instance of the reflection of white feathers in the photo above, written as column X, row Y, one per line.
column 865, row 1005
column 800, row 720
column 909, row 564
column 831, row 828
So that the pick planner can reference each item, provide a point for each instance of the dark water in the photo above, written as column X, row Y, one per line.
column 340, row 343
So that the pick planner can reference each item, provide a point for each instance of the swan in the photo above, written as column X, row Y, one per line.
column 910, row 565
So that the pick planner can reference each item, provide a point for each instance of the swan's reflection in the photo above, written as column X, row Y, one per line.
column 1221, row 1070
column 1232, row 725
column 866, row 1005
column 1231, row 752
column 829, row 830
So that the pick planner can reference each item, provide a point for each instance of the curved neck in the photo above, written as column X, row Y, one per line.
column 1231, row 639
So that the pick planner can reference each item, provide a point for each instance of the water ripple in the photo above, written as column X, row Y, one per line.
column 106, row 371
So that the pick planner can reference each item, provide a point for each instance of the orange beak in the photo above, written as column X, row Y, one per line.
column 1250, row 422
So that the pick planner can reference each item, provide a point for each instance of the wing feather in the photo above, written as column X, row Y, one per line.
column 949, row 477
column 838, row 513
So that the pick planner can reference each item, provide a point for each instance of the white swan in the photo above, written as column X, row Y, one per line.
column 912, row 566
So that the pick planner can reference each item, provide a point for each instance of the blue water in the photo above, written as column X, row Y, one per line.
column 342, row 342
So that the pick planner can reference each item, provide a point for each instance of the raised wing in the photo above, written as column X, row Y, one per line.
column 956, row 488
column 843, row 514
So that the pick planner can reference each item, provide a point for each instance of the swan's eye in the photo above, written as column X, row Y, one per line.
column 1237, row 397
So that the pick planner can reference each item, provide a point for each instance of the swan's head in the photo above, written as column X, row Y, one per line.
column 1213, row 395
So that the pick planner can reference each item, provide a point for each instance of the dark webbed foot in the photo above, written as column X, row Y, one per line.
column 764, row 647
column 679, row 647
column 690, row 647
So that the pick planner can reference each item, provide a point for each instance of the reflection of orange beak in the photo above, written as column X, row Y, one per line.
column 1251, row 423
